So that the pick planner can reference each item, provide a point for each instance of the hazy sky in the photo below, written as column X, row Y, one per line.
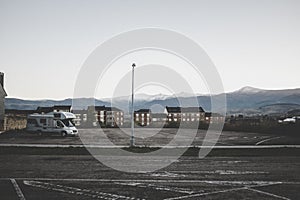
column 43, row 43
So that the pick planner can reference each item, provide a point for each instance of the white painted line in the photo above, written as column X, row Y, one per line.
column 222, row 191
column 268, row 194
column 154, row 146
column 156, row 181
column 156, row 187
column 205, row 193
column 17, row 189
column 220, row 172
column 260, row 142
column 77, row 191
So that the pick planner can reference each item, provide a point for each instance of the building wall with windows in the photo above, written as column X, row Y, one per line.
column 105, row 116
column 142, row 117
column 185, row 114
column 81, row 118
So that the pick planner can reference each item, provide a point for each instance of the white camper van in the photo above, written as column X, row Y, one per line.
column 54, row 122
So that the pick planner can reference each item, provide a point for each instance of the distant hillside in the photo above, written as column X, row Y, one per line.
column 247, row 100
column 14, row 103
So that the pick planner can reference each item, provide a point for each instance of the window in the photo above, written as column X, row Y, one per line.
column 137, row 114
column 57, row 115
column 32, row 122
column 59, row 124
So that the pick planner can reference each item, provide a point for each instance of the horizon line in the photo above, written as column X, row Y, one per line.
column 167, row 95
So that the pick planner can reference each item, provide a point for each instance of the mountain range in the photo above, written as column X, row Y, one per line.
column 247, row 100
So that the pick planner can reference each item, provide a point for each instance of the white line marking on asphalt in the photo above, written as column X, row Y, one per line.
column 221, row 191
column 268, row 194
column 154, row 146
column 17, row 189
column 156, row 187
column 220, row 172
column 273, row 138
column 206, row 193
column 155, row 181
column 77, row 191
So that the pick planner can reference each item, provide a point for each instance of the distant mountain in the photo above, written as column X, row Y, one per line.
column 248, row 90
column 247, row 100
column 14, row 103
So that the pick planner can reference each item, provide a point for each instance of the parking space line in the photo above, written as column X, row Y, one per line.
column 77, row 191
column 265, row 140
column 157, row 187
column 268, row 194
column 259, row 183
column 227, row 190
column 17, row 189
column 205, row 193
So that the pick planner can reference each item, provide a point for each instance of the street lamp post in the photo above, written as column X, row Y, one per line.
column 132, row 107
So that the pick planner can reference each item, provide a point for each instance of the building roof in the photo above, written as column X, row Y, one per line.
column 184, row 109
column 19, row 112
column 173, row 109
column 112, row 109
column 104, row 108
column 47, row 109
column 192, row 109
column 97, row 108
column 44, row 109
column 62, row 107
column 143, row 111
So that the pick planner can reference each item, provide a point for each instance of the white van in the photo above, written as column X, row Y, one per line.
column 54, row 122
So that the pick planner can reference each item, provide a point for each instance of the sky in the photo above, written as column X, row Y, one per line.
column 43, row 44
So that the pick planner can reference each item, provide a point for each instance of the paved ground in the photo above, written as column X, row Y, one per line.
column 72, row 173
column 149, row 137
column 232, row 174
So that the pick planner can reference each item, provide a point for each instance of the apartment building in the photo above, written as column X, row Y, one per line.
column 185, row 114
column 142, row 117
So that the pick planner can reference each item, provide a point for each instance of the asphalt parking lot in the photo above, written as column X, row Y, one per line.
column 150, row 137
column 72, row 173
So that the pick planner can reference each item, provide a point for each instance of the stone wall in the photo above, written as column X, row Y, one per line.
column 15, row 122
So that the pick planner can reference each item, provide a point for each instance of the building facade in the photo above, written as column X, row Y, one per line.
column 185, row 114
column 2, row 101
column 105, row 116
column 142, row 117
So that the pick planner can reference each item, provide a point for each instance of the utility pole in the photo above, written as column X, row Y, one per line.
column 132, row 107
